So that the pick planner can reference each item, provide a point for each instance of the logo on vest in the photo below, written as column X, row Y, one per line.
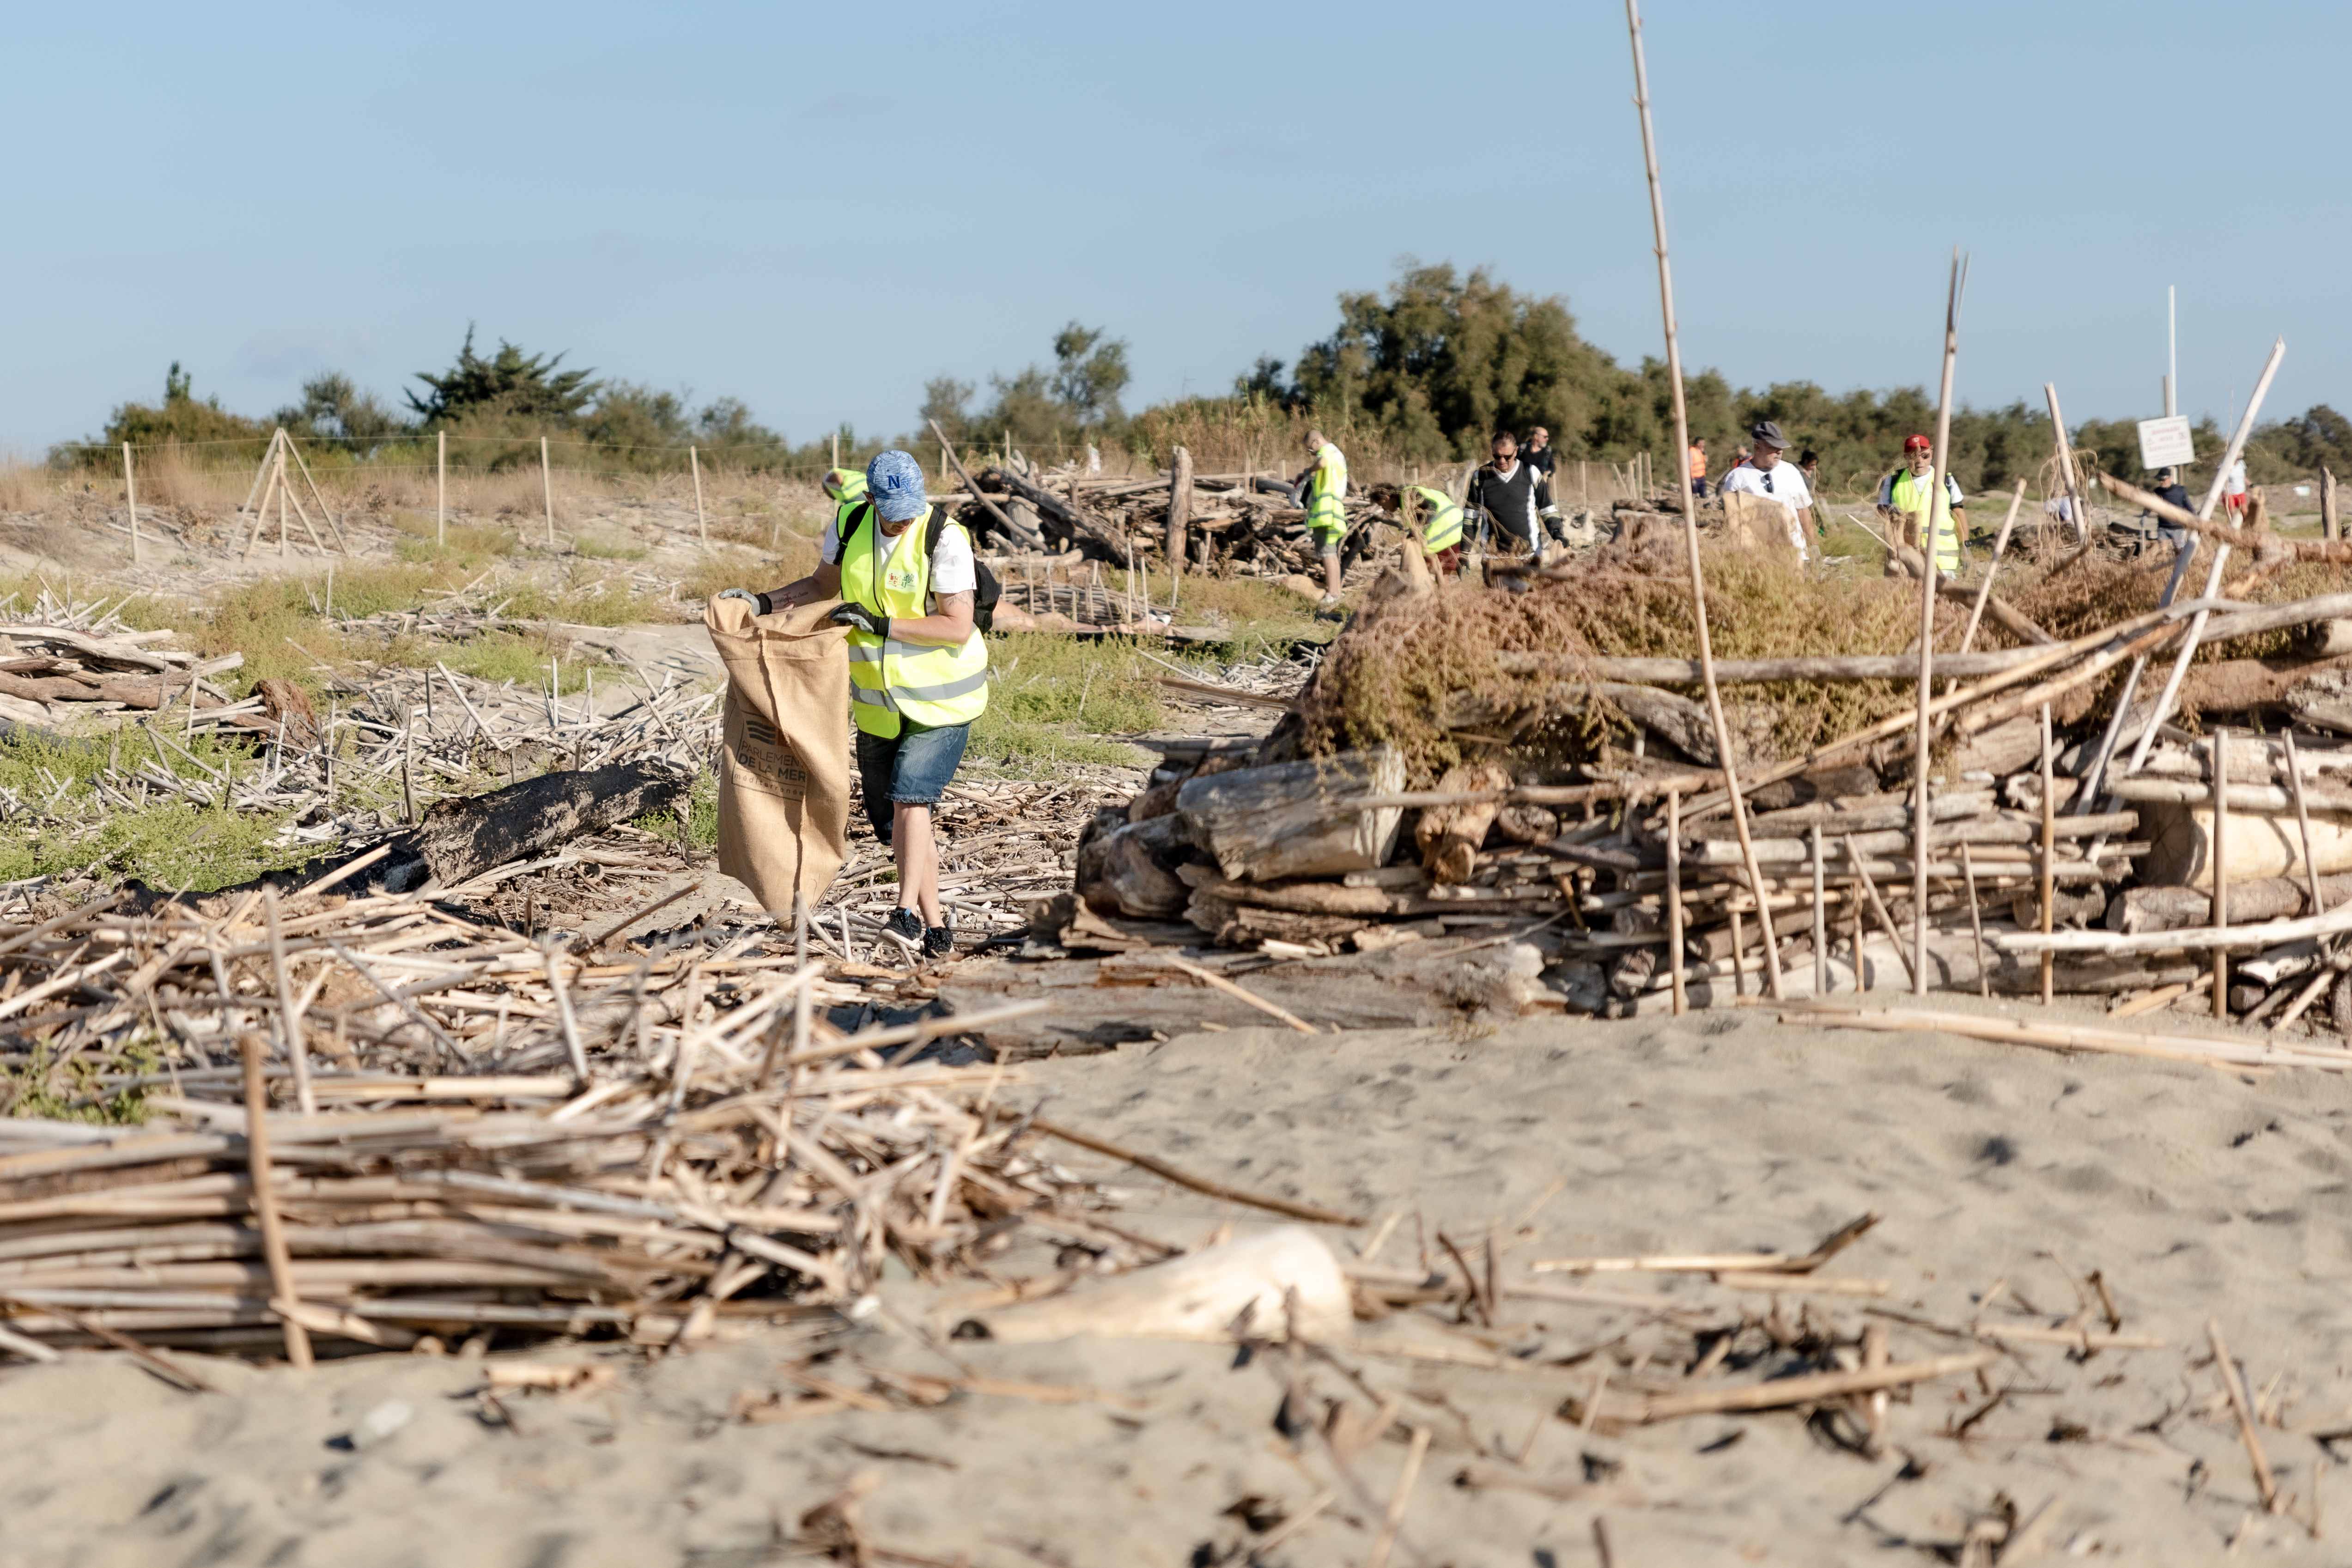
column 899, row 579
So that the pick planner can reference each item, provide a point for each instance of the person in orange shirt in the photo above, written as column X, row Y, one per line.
column 1698, row 466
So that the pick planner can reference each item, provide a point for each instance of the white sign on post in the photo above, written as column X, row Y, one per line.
column 2165, row 443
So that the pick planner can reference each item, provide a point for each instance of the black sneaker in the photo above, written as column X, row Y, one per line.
column 907, row 923
column 938, row 942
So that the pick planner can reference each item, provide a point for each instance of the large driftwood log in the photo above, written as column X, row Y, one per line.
column 1294, row 820
column 458, row 840
column 1102, row 1003
column 2260, row 844
column 2172, row 908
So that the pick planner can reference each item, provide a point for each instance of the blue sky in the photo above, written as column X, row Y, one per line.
column 815, row 209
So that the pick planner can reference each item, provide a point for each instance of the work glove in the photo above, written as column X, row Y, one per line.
column 758, row 601
column 857, row 616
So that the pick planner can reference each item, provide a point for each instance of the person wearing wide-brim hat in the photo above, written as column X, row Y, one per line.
column 1764, row 473
column 918, row 667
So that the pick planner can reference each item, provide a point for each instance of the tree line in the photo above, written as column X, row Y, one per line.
column 1424, row 374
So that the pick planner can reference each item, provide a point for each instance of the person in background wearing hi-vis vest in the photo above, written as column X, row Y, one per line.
column 1906, row 491
column 918, row 667
column 1441, row 538
column 1697, row 456
column 845, row 488
column 1324, row 488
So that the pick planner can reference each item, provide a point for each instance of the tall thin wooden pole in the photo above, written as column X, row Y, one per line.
column 1690, row 510
column 2049, row 853
column 2221, row 875
column 701, row 524
column 547, row 491
column 265, row 1200
column 1674, row 898
column 1927, row 575
column 441, row 490
column 131, row 500
column 2067, row 464
column 2221, row 556
column 2327, row 524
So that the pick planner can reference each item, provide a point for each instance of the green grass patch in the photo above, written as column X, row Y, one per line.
column 606, row 547
column 1054, row 698
column 702, row 816
column 471, row 547
column 55, row 1090
column 171, row 843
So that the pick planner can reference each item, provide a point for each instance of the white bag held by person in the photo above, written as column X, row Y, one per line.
column 783, row 778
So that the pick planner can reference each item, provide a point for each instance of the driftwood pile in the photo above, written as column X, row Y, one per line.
column 1233, row 524
column 466, row 1133
column 1611, row 866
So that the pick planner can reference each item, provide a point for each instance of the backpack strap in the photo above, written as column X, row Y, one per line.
column 857, row 515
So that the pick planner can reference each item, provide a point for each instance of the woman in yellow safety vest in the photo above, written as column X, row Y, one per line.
column 1442, row 540
column 1906, row 491
column 917, row 667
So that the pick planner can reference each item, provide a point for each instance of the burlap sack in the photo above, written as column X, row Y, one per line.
column 783, row 779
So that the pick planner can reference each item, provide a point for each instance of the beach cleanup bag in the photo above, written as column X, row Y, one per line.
column 783, row 772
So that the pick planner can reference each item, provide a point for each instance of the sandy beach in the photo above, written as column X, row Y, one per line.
column 2006, row 1178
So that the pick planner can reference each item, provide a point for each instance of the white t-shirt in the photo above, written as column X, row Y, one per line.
column 2236, row 483
column 952, row 571
column 1783, row 483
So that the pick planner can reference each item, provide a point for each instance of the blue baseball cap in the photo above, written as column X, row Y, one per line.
column 894, row 482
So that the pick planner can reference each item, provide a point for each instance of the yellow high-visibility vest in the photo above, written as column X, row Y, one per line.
column 892, row 682
column 1327, row 518
column 851, row 483
column 1445, row 530
column 1909, row 495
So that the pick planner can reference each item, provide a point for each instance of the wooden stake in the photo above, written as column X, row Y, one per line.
column 1739, row 958
column 2066, row 465
column 2213, row 576
column 2302, row 820
column 701, row 524
column 265, row 1201
column 290, row 1011
column 1984, row 589
column 131, row 500
column 2327, row 522
column 1690, row 507
column 441, row 490
column 1886, row 920
column 282, row 489
column 2221, row 875
column 247, row 513
column 1674, row 897
column 1976, row 921
column 837, row 449
column 547, row 491
column 1927, row 575
column 2049, row 855
column 1820, row 920
column 1179, row 509
column 1394, row 1520
column 2235, row 1386
column 325, row 510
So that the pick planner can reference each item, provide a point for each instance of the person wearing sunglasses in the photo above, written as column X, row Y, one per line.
column 1905, row 492
column 1764, row 473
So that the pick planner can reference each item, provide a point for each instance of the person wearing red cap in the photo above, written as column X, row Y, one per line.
column 1906, row 491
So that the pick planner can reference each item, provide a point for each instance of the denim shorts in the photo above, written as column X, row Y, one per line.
column 911, row 768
